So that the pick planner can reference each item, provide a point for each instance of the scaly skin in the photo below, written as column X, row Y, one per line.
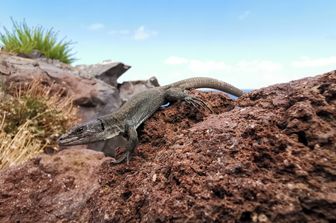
column 136, row 110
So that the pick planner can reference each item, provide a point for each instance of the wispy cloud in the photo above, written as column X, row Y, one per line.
column 142, row 34
column 121, row 32
column 173, row 60
column 307, row 62
column 258, row 65
column 252, row 73
column 96, row 26
column 247, row 73
column 206, row 66
column 244, row 15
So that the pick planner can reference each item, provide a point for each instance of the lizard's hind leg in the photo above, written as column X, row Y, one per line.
column 175, row 94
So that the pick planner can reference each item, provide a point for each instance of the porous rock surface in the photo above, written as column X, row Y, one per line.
column 267, row 157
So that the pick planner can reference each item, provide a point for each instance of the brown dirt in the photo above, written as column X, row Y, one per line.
column 267, row 157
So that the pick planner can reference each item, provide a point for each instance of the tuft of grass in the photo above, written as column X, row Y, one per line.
column 32, row 117
column 23, row 39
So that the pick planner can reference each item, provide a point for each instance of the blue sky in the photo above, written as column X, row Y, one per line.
column 248, row 43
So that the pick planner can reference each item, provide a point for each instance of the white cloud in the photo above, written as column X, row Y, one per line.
column 96, row 26
column 198, row 65
column 141, row 33
column 121, row 32
column 258, row 65
column 243, row 73
column 205, row 66
column 173, row 60
column 307, row 62
column 244, row 15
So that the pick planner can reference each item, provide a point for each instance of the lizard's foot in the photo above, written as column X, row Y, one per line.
column 124, row 156
column 198, row 103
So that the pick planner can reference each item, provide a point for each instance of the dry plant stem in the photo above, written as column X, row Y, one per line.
column 19, row 148
column 3, row 121
column 24, row 143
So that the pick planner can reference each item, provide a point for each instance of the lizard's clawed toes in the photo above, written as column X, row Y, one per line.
column 198, row 103
column 122, row 158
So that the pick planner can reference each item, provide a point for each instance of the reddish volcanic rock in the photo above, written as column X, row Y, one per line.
column 267, row 157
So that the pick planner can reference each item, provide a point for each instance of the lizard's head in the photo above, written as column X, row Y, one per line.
column 88, row 132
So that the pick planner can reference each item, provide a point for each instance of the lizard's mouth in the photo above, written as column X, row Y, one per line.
column 67, row 141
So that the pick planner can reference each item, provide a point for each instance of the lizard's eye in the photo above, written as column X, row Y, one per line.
column 79, row 130
column 102, row 126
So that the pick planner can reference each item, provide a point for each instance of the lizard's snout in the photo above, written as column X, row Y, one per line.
column 65, row 140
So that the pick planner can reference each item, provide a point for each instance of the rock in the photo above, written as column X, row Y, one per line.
column 270, row 156
column 94, row 88
column 91, row 95
column 70, row 176
column 130, row 88
column 35, row 54
column 108, row 71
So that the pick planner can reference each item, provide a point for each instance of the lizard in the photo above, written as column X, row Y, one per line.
column 125, row 120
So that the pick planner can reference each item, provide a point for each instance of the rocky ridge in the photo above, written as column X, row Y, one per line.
column 267, row 157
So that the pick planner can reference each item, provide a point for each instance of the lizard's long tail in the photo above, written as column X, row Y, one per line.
column 206, row 82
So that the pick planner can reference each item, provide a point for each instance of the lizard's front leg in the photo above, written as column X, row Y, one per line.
column 176, row 94
column 132, row 143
